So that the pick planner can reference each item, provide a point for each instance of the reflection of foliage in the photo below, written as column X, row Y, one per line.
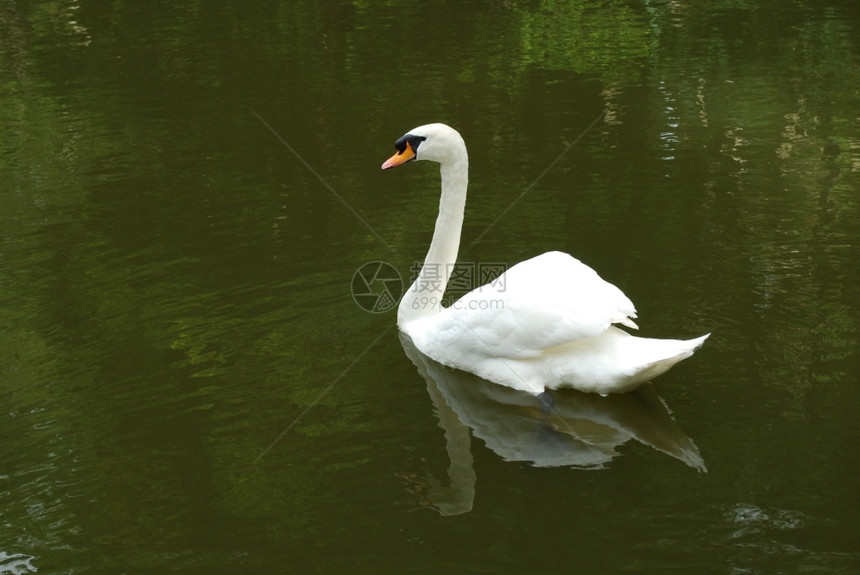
column 607, row 39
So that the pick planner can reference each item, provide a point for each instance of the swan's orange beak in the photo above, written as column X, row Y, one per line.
column 400, row 157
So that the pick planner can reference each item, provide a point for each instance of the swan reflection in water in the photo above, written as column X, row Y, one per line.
column 573, row 429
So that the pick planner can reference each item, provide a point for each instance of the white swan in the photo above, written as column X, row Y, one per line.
column 546, row 324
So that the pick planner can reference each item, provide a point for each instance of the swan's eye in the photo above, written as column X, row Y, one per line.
column 408, row 141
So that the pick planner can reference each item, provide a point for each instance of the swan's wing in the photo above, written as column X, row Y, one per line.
column 549, row 300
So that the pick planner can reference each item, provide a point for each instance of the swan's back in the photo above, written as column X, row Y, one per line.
column 549, row 300
column 547, row 323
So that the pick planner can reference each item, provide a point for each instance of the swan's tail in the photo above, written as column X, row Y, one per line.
column 664, row 353
column 615, row 361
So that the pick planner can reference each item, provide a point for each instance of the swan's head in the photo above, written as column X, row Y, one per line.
column 435, row 142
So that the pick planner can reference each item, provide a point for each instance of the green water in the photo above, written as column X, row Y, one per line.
column 187, row 190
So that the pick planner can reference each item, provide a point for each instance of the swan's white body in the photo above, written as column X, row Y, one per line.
column 546, row 323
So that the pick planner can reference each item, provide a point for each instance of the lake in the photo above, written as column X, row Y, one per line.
column 197, row 378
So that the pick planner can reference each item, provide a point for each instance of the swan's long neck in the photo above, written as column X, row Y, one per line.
column 424, row 296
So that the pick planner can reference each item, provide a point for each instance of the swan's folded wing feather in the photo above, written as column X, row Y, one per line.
column 549, row 300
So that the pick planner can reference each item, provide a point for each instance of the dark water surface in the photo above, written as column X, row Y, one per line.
column 187, row 384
